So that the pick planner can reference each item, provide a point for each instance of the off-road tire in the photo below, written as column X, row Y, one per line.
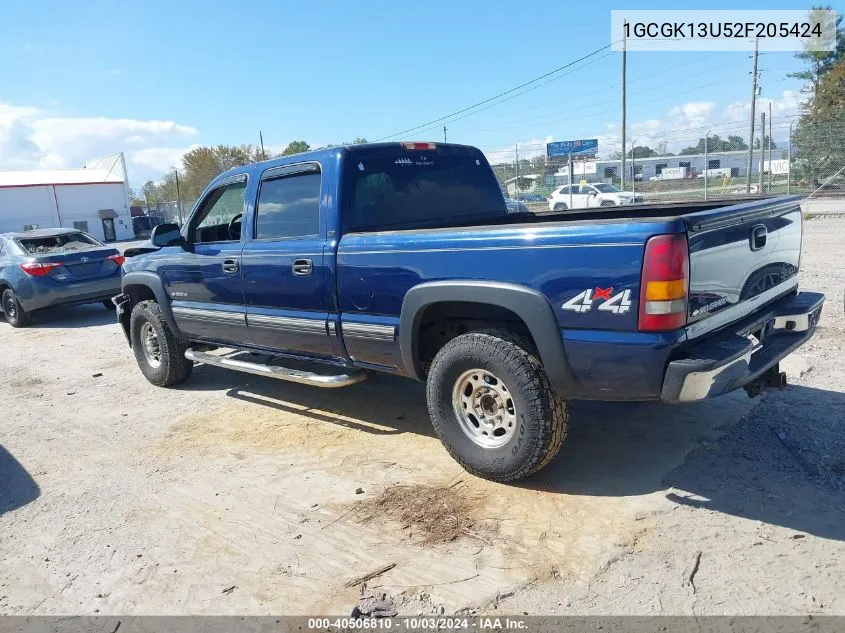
column 108, row 305
column 560, row 206
column 174, row 367
column 542, row 415
column 18, row 317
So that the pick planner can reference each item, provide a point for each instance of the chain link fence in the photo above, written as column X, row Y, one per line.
column 791, row 157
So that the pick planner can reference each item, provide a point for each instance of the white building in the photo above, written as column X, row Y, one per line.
column 734, row 161
column 94, row 199
column 733, row 164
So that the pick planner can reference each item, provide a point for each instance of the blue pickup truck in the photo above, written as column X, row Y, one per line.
column 403, row 258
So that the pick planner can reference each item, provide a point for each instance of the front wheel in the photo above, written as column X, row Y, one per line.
column 16, row 316
column 158, row 351
column 560, row 206
column 492, row 406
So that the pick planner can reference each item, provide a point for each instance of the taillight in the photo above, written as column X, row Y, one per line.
column 418, row 145
column 37, row 269
column 117, row 259
column 664, row 284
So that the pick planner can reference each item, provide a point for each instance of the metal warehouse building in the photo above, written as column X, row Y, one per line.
column 93, row 199
column 735, row 161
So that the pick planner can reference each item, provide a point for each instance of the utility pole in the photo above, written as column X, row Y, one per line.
column 762, row 149
column 624, row 97
column 444, row 133
column 516, row 163
column 261, row 138
column 178, row 197
column 753, row 104
column 789, row 158
column 771, row 169
column 706, row 163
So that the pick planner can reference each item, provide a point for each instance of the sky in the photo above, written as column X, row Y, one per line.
column 153, row 79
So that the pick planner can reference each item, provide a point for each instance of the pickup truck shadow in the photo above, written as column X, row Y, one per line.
column 17, row 487
column 386, row 405
column 725, row 454
column 783, row 463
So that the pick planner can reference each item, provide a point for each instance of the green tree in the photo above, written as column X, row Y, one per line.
column 641, row 151
column 715, row 143
column 765, row 142
column 296, row 147
column 819, row 139
column 199, row 166
column 821, row 62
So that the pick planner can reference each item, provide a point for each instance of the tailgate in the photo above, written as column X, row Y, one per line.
column 741, row 257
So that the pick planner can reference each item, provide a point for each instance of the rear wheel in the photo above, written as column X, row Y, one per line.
column 16, row 316
column 160, row 354
column 560, row 206
column 493, row 407
column 108, row 305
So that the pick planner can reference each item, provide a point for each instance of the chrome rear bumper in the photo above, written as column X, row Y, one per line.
column 729, row 361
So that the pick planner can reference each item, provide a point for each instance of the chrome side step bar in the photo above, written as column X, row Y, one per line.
column 274, row 371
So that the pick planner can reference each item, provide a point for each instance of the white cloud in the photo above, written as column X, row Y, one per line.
column 685, row 123
column 527, row 150
column 159, row 159
column 32, row 139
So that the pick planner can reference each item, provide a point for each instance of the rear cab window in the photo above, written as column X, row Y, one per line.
column 393, row 187
column 63, row 243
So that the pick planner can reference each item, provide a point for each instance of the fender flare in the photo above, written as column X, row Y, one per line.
column 154, row 283
column 528, row 304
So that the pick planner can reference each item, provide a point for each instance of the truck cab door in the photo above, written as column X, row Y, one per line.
column 204, row 278
column 285, row 266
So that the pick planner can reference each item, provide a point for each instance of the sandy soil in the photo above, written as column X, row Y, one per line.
column 237, row 494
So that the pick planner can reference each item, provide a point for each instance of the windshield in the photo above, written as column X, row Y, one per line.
column 605, row 188
column 393, row 187
column 65, row 243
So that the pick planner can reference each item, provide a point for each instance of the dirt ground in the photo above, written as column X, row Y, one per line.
column 238, row 494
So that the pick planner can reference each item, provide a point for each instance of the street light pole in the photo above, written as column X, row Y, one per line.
column 751, row 131
column 706, row 164
column 178, row 197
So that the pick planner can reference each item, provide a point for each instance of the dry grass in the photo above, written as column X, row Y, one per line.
column 433, row 515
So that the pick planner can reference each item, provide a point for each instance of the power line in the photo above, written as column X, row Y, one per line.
column 519, row 94
column 550, row 119
column 501, row 94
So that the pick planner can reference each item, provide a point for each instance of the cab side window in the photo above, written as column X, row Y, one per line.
column 214, row 221
column 289, row 206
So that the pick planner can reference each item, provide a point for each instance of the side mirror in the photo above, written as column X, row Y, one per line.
column 592, row 193
column 166, row 235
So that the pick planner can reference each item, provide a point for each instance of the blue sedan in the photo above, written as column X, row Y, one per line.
column 55, row 267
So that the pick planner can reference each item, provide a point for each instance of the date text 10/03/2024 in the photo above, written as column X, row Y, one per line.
column 418, row 624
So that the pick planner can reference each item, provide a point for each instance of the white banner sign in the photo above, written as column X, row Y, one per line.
column 779, row 167
column 579, row 169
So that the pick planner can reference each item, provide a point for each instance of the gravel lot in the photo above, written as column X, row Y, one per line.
column 237, row 494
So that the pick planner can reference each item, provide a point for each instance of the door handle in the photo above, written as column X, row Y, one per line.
column 302, row 267
column 230, row 266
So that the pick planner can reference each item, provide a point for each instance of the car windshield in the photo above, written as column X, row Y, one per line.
column 397, row 188
column 605, row 188
column 64, row 243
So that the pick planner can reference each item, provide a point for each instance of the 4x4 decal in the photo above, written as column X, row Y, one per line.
column 584, row 301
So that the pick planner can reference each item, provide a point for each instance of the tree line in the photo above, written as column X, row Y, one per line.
column 201, row 164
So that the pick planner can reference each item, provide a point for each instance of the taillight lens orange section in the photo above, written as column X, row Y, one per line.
column 664, row 284
column 666, row 290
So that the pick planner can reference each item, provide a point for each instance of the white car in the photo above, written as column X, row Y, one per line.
column 597, row 194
